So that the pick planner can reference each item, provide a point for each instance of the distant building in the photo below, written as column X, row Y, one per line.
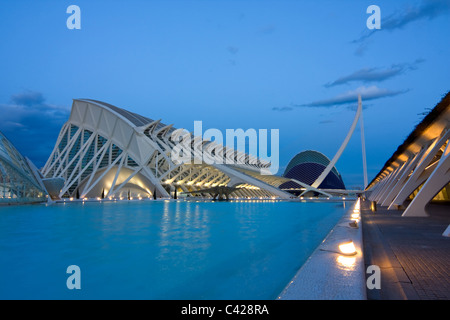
column 306, row 167
column 19, row 179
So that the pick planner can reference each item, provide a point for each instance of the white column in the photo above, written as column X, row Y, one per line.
column 437, row 180
column 363, row 143
column 332, row 163
column 393, row 188
column 402, row 180
column 421, row 173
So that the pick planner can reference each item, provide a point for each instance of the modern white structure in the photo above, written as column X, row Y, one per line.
column 419, row 171
column 19, row 179
column 338, row 154
column 327, row 172
column 104, row 151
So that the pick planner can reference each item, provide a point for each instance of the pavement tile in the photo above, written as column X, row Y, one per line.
column 413, row 248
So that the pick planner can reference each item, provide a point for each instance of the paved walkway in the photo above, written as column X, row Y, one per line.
column 412, row 254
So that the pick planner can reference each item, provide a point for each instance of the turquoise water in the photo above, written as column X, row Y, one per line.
column 159, row 249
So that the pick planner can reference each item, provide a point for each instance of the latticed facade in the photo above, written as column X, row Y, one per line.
column 306, row 167
column 104, row 151
column 19, row 181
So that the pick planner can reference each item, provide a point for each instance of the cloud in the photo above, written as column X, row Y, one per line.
column 282, row 109
column 349, row 97
column 326, row 121
column 427, row 9
column 268, row 29
column 362, row 48
column 32, row 125
column 232, row 49
column 27, row 98
column 367, row 75
column 354, row 106
column 232, row 62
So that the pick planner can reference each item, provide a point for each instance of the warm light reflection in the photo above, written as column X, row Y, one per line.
column 346, row 263
column 357, row 205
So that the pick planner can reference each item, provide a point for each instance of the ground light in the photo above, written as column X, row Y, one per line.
column 343, row 247
column 355, row 215
column 347, row 248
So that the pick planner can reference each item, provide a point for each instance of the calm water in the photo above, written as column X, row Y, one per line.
column 158, row 249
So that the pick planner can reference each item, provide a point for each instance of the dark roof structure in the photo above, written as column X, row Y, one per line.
column 416, row 133
column 307, row 166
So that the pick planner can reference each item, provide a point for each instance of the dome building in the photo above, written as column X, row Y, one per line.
column 306, row 167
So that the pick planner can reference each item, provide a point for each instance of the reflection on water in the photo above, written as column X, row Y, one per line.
column 184, row 232
column 159, row 249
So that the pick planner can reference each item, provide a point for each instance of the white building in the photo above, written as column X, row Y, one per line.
column 419, row 170
column 108, row 152
column 19, row 179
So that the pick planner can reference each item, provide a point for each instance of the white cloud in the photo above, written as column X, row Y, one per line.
column 367, row 93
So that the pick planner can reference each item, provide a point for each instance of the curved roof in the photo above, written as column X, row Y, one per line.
column 134, row 118
column 17, row 180
column 10, row 154
column 431, row 118
column 119, row 144
column 309, row 156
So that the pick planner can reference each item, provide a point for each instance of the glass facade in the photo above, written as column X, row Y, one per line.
column 306, row 167
column 17, row 182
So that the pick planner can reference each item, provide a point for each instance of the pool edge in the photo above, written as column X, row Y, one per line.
column 327, row 274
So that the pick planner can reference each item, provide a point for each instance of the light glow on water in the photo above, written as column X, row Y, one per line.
column 159, row 249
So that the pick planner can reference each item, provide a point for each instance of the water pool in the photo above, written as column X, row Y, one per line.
column 159, row 249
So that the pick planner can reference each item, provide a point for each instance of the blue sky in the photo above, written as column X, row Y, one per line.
column 295, row 66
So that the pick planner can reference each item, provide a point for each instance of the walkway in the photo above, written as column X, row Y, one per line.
column 412, row 254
